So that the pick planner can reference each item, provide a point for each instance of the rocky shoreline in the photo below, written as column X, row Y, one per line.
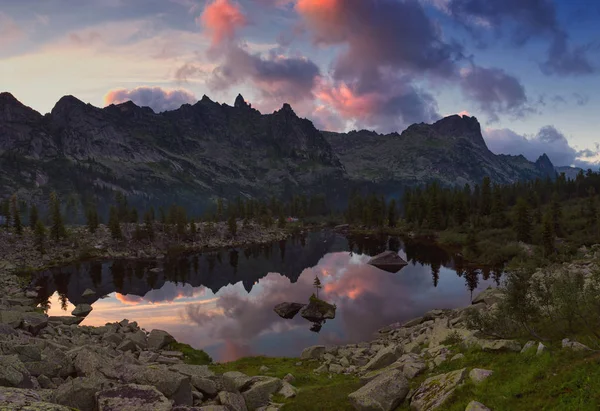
column 52, row 363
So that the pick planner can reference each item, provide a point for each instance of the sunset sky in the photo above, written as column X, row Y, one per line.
column 524, row 68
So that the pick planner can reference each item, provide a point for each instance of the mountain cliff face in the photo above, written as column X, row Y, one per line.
column 451, row 151
column 199, row 152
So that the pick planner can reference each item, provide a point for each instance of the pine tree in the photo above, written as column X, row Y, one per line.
column 40, row 236
column 133, row 215
column 122, row 207
column 460, row 209
column 92, row 219
column 548, row 234
column 57, row 228
column 497, row 209
column 522, row 222
column 556, row 214
column 149, row 225
column 485, row 204
column 472, row 240
column 392, row 216
column 317, row 285
column 6, row 213
column 33, row 217
column 16, row 213
column 281, row 220
column 193, row 229
column 592, row 210
column 232, row 226
column 114, row 224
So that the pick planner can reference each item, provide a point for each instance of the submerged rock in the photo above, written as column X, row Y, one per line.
column 388, row 261
column 288, row 310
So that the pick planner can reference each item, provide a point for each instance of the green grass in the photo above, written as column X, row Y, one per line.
column 555, row 380
column 191, row 355
column 316, row 391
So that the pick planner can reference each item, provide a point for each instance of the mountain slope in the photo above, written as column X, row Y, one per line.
column 199, row 152
column 451, row 151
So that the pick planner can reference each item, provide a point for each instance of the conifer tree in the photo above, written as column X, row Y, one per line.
column 193, row 229
column 149, row 225
column 548, row 234
column 556, row 213
column 133, row 216
column 114, row 224
column 40, row 236
column 92, row 219
column 522, row 222
column 6, row 213
column 317, row 285
column 592, row 210
column 57, row 227
column 16, row 213
column 232, row 226
column 33, row 217
column 392, row 216
column 485, row 204
column 281, row 220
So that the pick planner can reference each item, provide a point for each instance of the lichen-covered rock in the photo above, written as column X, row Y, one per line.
column 500, row 345
column 159, row 339
column 233, row 401
column 478, row 375
column 17, row 399
column 574, row 345
column 173, row 385
column 434, row 391
column 384, row 393
column 236, row 381
column 258, row 394
column 13, row 372
column 384, row 357
column 288, row 390
column 132, row 397
column 318, row 311
column 489, row 296
column 314, row 352
column 80, row 392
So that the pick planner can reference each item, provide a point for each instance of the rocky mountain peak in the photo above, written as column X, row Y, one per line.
column 544, row 164
column 12, row 109
column 460, row 126
column 240, row 102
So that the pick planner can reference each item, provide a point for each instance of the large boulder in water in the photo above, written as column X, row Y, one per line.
column 318, row 310
column 288, row 310
column 388, row 261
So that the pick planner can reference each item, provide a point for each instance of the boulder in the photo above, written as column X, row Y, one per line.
column 314, row 352
column 258, row 395
column 13, row 372
column 500, row 345
column 383, row 358
column 336, row 369
column 14, row 399
column 528, row 345
column 540, row 349
column 233, row 401
column 288, row 310
column 289, row 378
column 317, row 311
column 82, row 310
column 288, row 390
column 87, row 362
column 132, row 397
column 205, row 385
column 476, row 406
column 139, row 338
column 388, row 261
column 489, row 296
column 458, row 356
column 173, row 385
column 383, row 393
column 478, row 375
column 236, row 381
column 159, row 339
column 413, row 322
column 34, row 322
column 434, row 391
column 574, row 345
column 80, row 392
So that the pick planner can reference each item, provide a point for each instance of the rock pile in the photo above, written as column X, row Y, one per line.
column 52, row 363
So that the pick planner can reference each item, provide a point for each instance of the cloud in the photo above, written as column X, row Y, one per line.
column 156, row 98
column 494, row 91
column 278, row 78
column 10, row 32
column 548, row 140
column 522, row 20
column 221, row 19
column 187, row 70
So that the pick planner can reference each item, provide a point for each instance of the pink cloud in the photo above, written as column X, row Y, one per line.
column 221, row 18
column 129, row 299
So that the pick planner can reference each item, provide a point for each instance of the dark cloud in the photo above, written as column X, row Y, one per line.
column 548, row 140
column 187, row 70
column 522, row 20
column 156, row 98
column 278, row 78
column 495, row 91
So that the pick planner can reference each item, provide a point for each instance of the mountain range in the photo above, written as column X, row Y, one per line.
column 196, row 153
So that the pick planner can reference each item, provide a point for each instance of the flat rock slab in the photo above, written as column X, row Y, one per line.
column 383, row 393
column 66, row 320
column 435, row 390
column 132, row 397
column 388, row 261
column 82, row 310
column 288, row 310
column 16, row 399
column 259, row 393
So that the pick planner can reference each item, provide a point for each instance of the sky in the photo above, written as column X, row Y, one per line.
column 527, row 69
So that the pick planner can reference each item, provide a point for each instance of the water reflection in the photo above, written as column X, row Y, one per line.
column 223, row 301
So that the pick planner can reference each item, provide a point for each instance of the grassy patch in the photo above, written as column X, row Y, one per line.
column 191, row 355
column 316, row 391
column 555, row 380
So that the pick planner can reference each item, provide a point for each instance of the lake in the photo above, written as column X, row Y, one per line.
column 223, row 302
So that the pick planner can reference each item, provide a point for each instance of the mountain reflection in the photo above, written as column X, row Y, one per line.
column 223, row 301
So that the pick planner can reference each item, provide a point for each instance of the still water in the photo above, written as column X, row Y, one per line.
column 223, row 301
